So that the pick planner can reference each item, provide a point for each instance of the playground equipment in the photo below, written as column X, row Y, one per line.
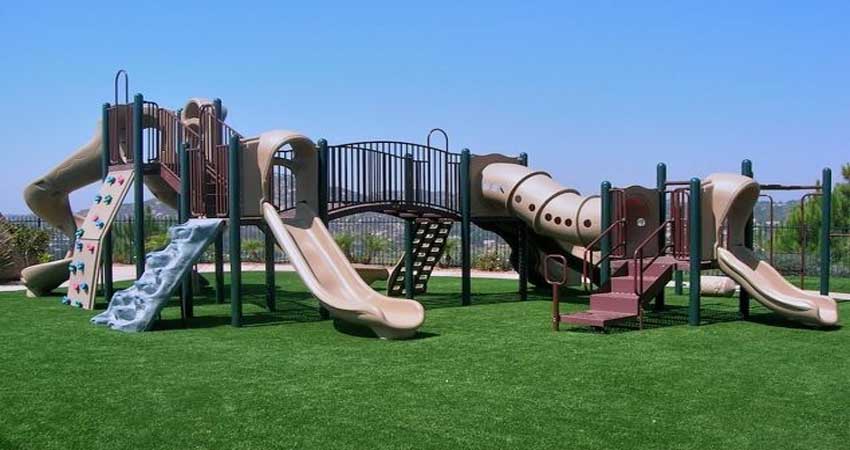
column 135, row 309
column 290, row 187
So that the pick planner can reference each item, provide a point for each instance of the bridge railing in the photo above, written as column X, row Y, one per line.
column 393, row 173
column 282, row 184
column 212, row 180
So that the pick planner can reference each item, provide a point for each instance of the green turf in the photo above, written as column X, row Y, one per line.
column 492, row 375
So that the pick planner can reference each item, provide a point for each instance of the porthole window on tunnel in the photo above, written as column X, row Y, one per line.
column 568, row 222
column 518, row 199
column 587, row 223
column 531, row 207
column 548, row 217
column 557, row 220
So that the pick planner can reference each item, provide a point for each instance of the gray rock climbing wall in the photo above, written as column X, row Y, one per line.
column 136, row 308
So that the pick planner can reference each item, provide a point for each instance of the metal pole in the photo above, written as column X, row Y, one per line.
column 825, row 230
column 744, row 296
column 522, row 251
column 106, row 249
column 235, row 209
column 185, row 207
column 661, row 186
column 465, row 228
column 695, row 226
column 139, row 185
column 409, row 228
column 605, row 242
column 324, row 197
column 271, row 293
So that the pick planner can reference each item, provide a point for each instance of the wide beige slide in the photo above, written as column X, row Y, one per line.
column 732, row 199
column 329, row 275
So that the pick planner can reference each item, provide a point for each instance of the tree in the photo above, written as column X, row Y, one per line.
column 345, row 241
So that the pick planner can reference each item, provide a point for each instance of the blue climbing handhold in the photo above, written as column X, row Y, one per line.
column 81, row 266
column 79, row 233
column 107, row 199
column 97, row 198
column 78, row 304
column 66, row 300
column 79, row 246
column 99, row 224
column 84, row 287
column 110, row 180
column 72, row 268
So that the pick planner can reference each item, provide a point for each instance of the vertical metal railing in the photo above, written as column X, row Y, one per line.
column 212, row 180
column 375, row 172
column 282, row 183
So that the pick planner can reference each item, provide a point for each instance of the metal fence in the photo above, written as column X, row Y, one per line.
column 367, row 238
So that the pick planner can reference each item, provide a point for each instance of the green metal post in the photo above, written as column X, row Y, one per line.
column 323, row 188
column 605, row 242
column 743, row 295
column 324, row 198
column 138, row 185
column 186, row 300
column 465, row 227
column 522, row 251
column 409, row 229
column 695, row 226
column 106, row 249
column 661, row 186
column 235, row 209
column 825, row 230
column 678, row 283
column 219, row 267
column 271, row 294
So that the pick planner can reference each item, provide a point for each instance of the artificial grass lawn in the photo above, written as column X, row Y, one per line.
column 491, row 375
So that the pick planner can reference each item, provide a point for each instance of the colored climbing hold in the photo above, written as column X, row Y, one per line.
column 90, row 248
column 76, row 287
column 78, row 304
column 99, row 224
column 98, row 198
column 79, row 246
column 95, row 218
column 120, row 180
column 84, row 287
column 107, row 200
column 110, row 180
column 79, row 233
column 66, row 300
column 72, row 268
column 81, row 266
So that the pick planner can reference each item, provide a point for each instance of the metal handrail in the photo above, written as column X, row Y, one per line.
column 587, row 257
column 637, row 259
column 441, row 131
column 126, row 86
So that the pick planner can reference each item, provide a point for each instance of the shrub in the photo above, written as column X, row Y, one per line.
column 491, row 261
column 345, row 242
column 372, row 245
column 252, row 250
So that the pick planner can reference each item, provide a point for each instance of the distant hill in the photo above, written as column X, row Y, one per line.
column 157, row 208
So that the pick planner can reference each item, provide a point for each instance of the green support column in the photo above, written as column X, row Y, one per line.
column 138, row 186
column 409, row 227
column 522, row 250
column 324, row 197
column 743, row 295
column 465, row 228
column 106, row 250
column 825, row 230
column 695, row 235
column 605, row 242
column 219, row 267
column 661, row 186
column 235, row 209
column 271, row 294
column 186, row 300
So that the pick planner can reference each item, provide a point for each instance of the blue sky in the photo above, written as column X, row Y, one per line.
column 590, row 90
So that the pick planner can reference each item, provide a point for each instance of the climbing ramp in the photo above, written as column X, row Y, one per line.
column 429, row 244
column 84, row 267
column 136, row 308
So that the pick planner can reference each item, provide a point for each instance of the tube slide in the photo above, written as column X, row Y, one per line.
column 136, row 308
column 549, row 208
column 330, row 276
column 732, row 200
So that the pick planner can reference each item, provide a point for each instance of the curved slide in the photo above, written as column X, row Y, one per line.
column 732, row 200
column 333, row 280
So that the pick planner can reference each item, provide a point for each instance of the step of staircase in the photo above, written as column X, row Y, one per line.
column 593, row 318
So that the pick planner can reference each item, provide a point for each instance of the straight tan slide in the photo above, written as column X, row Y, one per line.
column 329, row 275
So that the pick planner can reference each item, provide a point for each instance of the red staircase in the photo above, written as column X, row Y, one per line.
column 628, row 294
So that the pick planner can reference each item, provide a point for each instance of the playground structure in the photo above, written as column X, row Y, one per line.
column 622, row 239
